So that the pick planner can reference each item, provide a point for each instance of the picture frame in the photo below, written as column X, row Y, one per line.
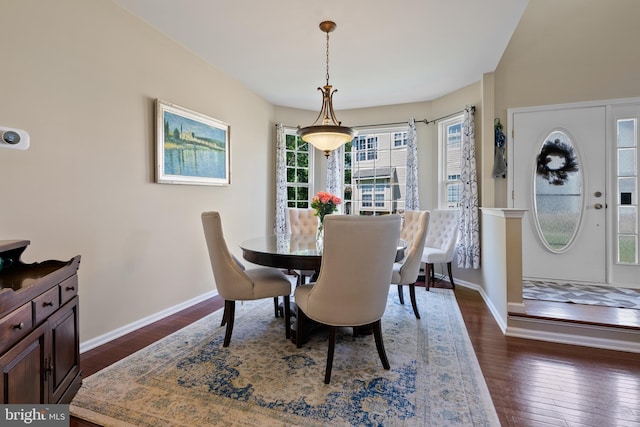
column 191, row 148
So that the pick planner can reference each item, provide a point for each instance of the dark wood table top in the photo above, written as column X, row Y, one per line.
column 290, row 251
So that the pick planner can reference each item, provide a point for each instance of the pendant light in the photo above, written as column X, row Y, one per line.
column 326, row 133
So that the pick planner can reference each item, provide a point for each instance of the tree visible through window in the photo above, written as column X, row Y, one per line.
column 299, row 159
column 375, row 172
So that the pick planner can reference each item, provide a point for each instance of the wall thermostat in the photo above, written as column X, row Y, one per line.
column 14, row 138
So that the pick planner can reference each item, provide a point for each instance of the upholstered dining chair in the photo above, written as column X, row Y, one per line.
column 235, row 283
column 407, row 270
column 354, row 280
column 301, row 221
column 440, row 244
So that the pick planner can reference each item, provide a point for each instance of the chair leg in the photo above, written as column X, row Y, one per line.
column 287, row 317
column 229, row 314
column 300, row 325
column 428, row 275
column 377, row 333
column 330, row 352
column 453, row 285
column 400, row 294
column 414, row 303
column 275, row 307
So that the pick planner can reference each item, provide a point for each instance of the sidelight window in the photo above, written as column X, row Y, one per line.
column 627, row 200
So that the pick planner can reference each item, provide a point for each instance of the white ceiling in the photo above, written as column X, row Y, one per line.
column 383, row 52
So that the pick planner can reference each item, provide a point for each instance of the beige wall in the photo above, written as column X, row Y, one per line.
column 81, row 77
column 570, row 51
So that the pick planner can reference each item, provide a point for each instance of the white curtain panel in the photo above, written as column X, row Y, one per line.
column 412, row 200
column 334, row 173
column 468, row 247
column 280, row 226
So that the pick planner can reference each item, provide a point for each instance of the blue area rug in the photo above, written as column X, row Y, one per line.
column 261, row 379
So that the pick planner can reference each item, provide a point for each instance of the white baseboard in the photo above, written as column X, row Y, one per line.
column 492, row 308
column 628, row 341
column 117, row 333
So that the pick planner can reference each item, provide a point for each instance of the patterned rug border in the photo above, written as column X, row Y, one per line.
column 439, row 405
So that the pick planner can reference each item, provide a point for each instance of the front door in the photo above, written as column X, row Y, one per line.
column 558, row 175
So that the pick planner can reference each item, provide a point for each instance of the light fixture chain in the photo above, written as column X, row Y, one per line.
column 327, row 59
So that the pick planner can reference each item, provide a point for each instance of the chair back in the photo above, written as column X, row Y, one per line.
column 231, row 281
column 357, row 262
column 414, row 233
column 301, row 221
column 443, row 231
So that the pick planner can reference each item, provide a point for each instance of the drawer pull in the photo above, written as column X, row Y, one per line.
column 47, row 304
column 19, row 326
column 70, row 288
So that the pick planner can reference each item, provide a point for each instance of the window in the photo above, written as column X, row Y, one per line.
column 450, row 145
column 299, row 160
column 400, row 139
column 375, row 172
column 627, row 183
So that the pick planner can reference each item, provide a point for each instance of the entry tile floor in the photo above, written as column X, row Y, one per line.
column 607, row 296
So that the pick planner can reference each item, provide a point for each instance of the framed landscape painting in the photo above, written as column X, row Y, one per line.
column 191, row 148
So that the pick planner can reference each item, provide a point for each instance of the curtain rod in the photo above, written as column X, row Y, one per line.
column 425, row 121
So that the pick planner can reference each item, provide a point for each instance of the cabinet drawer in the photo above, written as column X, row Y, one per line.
column 45, row 304
column 15, row 326
column 68, row 289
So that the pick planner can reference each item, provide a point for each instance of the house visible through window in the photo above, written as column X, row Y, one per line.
column 299, row 161
column 450, row 145
column 375, row 172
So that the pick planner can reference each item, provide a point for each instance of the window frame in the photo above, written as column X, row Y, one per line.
column 447, row 180
column 370, row 150
column 297, row 203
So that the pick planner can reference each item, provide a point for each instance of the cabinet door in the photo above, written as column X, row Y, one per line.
column 65, row 345
column 23, row 369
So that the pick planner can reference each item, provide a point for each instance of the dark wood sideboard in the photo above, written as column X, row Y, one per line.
column 39, row 335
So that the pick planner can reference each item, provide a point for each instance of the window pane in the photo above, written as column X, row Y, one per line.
column 450, row 134
column 290, row 142
column 627, row 249
column 375, row 171
column 627, row 162
column 291, row 175
column 291, row 158
column 303, row 194
column 303, row 160
column 627, row 220
column 558, row 192
column 291, row 193
column 627, row 133
column 303, row 175
column 627, row 191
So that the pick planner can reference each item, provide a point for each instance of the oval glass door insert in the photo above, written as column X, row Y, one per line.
column 558, row 192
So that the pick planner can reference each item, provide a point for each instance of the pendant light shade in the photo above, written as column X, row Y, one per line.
column 326, row 133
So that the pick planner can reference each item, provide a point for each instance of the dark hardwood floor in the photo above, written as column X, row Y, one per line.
column 532, row 383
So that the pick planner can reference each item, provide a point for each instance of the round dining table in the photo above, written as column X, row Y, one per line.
column 302, row 252
column 288, row 251
column 291, row 251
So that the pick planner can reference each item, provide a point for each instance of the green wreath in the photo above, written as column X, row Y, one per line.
column 556, row 149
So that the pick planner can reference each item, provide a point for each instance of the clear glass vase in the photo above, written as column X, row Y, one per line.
column 320, row 231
